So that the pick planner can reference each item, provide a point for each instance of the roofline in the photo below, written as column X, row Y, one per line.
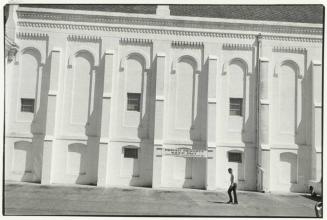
column 181, row 18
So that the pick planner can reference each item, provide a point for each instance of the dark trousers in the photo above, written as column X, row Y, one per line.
column 230, row 189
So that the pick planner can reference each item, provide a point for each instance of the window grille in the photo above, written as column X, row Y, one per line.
column 27, row 105
column 133, row 101
column 235, row 157
column 235, row 106
column 131, row 153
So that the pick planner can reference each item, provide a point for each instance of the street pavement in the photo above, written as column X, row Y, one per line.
column 35, row 199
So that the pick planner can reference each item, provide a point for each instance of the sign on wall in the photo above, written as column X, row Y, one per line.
column 185, row 152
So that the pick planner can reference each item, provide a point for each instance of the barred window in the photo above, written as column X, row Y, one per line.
column 235, row 157
column 27, row 105
column 235, row 106
column 131, row 153
column 133, row 101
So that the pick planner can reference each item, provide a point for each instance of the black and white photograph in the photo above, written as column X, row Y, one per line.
column 163, row 110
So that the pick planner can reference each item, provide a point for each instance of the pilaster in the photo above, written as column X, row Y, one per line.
column 159, row 119
column 316, row 120
column 103, row 169
column 52, row 109
column 211, row 122
column 264, row 125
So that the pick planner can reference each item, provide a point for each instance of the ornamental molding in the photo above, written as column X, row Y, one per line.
column 159, row 31
column 163, row 31
column 32, row 36
column 287, row 60
column 287, row 38
column 289, row 49
column 84, row 38
column 24, row 13
column 228, row 46
column 186, row 44
column 135, row 41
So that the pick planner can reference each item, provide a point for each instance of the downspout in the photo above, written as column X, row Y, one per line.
column 258, row 163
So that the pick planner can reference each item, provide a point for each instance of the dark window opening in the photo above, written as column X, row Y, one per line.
column 27, row 105
column 235, row 106
column 235, row 157
column 131, row 153
column 133, row 101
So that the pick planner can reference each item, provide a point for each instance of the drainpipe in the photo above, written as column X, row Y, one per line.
column 258, row 165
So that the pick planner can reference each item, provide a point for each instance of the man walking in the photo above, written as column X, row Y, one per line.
column 232, row 187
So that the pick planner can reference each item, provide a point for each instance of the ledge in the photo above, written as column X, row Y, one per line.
column 161, row 55
column 109, row 52
column 264, row 59
column 316, row 62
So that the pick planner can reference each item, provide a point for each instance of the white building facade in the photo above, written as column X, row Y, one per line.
column 118, row 99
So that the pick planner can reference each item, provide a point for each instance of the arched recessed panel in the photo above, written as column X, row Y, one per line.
column 287, row 99
column 76, row 159
column 30, row 60
column 236, row 79
column 134, row 76
column 185, row 94
column 22, row 158
column 288, row 168
column 83, row 63
column 237, row 99
column 134, row 88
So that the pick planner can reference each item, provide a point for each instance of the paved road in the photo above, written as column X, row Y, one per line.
column 34, row 199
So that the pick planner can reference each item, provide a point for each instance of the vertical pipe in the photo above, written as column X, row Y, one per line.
column 258, row 165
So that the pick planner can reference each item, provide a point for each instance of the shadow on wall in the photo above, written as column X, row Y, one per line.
column 34, row 149
column 300, row 134
column 248, row 125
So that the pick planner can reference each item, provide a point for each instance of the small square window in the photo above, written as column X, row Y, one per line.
column 131, row 153
column 235, row 106
column 133, row 101
column 235, row 157
column 27, row 105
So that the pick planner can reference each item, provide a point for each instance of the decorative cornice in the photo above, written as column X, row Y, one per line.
column 289, row 49
column 163, row 31
column 84, row 38
column 186, row 44
column 173, row 22
column 228, row 46
column 32, row 36
column 135, row 41
column 287, row 38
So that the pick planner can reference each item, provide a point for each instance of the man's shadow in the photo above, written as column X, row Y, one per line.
column 218, row 202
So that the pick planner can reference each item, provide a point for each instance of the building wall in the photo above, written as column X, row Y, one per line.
column 80, row 80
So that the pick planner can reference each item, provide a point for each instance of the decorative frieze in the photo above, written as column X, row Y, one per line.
column 288, row 38
column 135, row 41
column 32, row 36
column 186, row 44
column 24, row 13
column 289, row 49
column 161, row 31
column 228, row 46
column 83, row 38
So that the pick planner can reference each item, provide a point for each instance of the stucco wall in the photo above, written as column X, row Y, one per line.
column 80, row 79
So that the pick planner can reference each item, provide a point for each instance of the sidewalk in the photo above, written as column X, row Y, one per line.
column 35, row 199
